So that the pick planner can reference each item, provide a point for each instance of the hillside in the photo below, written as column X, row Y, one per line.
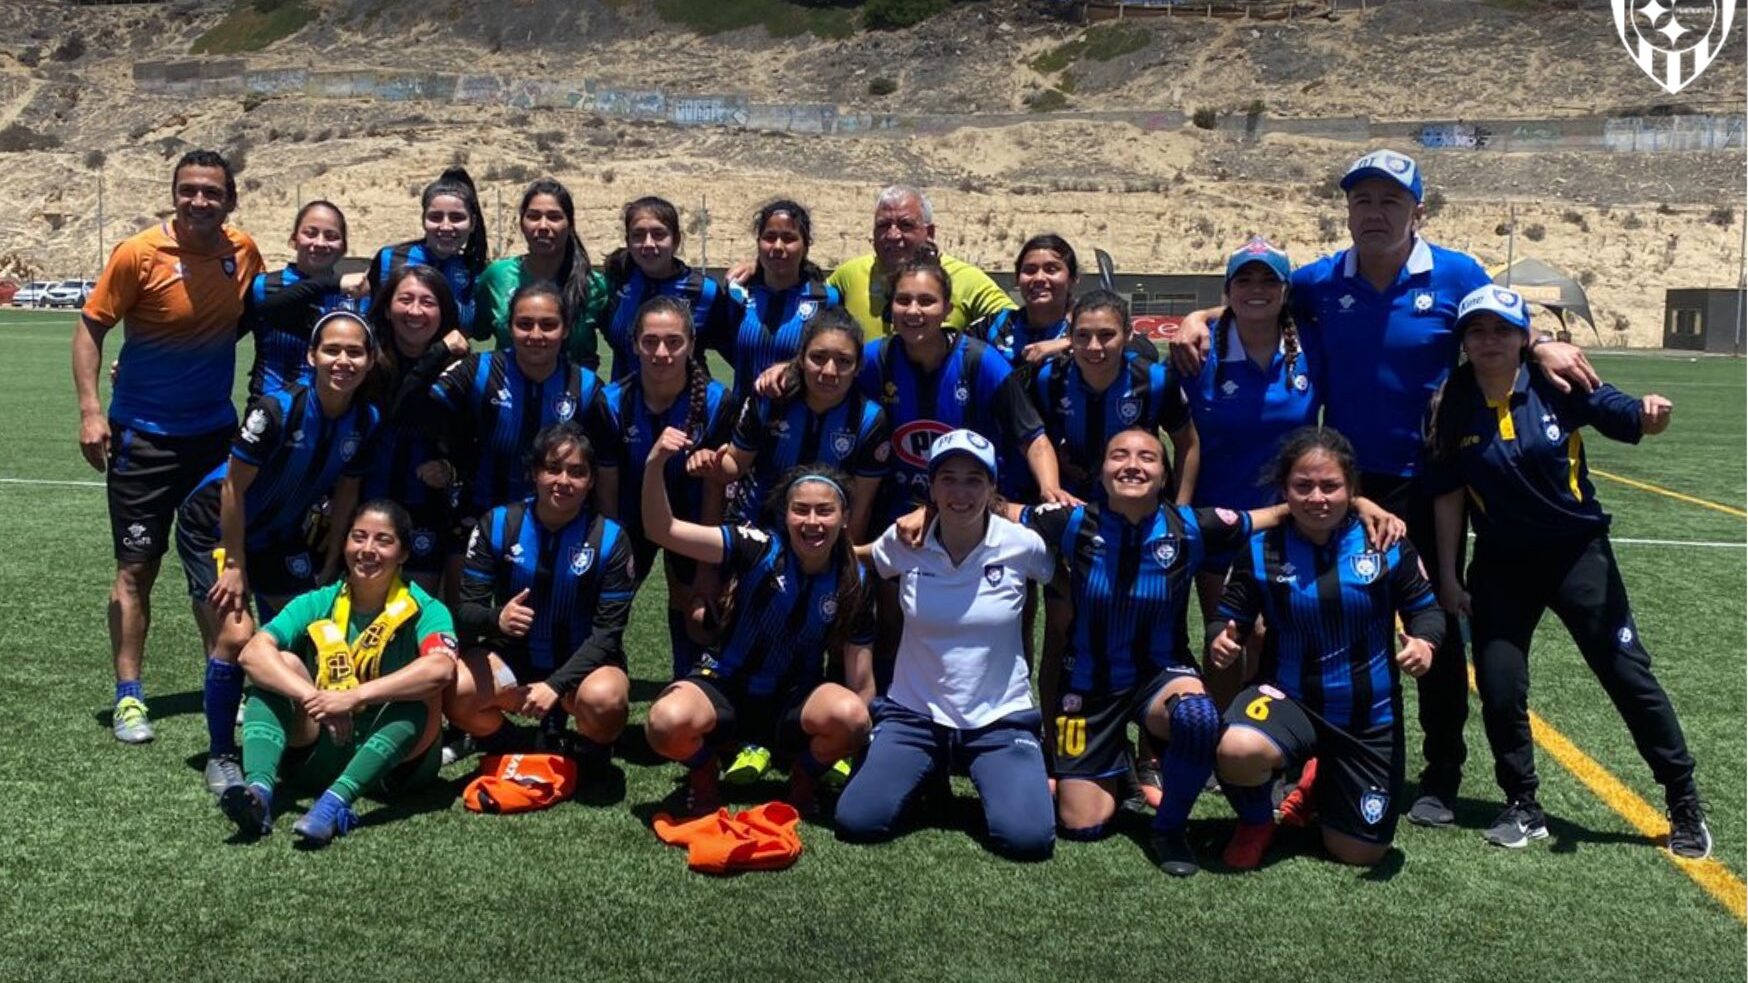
column 1631, row 224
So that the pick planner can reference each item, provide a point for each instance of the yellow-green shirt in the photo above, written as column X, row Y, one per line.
column 863, row 287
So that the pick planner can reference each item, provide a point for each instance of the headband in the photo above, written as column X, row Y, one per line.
column 822, row 479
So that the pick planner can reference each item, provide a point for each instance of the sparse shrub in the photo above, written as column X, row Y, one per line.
column 1502, row 229
column 1666, row 209
column 1046, row 101
column 1586, row 277
column 19, row 137
column 1204, row 118
column 880, row 85
column 1632, row 221
column 1722, row 216
column 1434, row 203
column 252, row 100
column 892, row 15
column 69, row 50
column 1536, row 232
column 1574, row 217
column 95, row 159
column 607, row 176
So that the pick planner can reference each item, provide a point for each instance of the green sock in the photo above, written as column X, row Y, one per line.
column 384, row 741
column 267, row 719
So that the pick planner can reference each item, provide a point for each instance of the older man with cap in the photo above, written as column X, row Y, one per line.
column 1376, row 322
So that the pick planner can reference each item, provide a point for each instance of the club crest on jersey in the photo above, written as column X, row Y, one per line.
column 424, row 541
column 1625, row 635
column 229, row 265
column 564, row 407
column 1227, row 516
column 843, row 441
column 1372, row 806
column 348, row 447
column 992, row 573
column 1346, row 301
column 828, row 608
column 1129, row 410
column 806, row 309
column 254, row 425
column 299, row 565
column 1071, row 703
column 1366, row 566
column 582, row 558
column 1164, row 551
column 962, row 393
column 1422, row 301
column 1300, row 383
column 1551, row 428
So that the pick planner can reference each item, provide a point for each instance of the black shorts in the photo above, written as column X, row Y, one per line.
column 515, row 654
column 279, row 570
column 1359, row 774
column 149, row 477
column 1092, row 730
column 742, row 718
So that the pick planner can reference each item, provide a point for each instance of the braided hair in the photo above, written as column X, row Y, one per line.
column 697, row 373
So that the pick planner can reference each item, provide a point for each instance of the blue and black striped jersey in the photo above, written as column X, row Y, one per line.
column 1331, row 614
column 632, row 428
column 1081, row 421
column 404, row 440
column 580, row 581
column 757, row 327
column 703, row 294
column 1130, row 584
column 299, row 455
column 490, row 413
column 279, row 310
column 455, row 269
column 851, row 437
column 783, row 617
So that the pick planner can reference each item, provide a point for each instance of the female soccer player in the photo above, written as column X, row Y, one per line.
column 242, row 530
column 1253, row 390
column 670, row 388
column 454, row 242
column 493, row 403
column 281, row 306
column 416, row 320
column 800, row 598
column 960, row 692
column 1045, row 272
column 344, row 683
column 827, row 421
column 647, row 266
column 1506, row 438
column 1328, row 686
column 762, row 322
column 556, row 254
column 544, row 601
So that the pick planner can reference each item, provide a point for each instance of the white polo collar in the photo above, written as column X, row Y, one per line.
column 932, row 540
column 1419, row 259
column 1235, row 344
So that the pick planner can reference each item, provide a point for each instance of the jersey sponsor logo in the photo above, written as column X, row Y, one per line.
column 564, row 407
column 254, row 425
column 296, row 440
column 1228, row 388
column 299, row 565
column 515, row 552
column 136, row 537
column 348, row 447
column 1422, row 301
column 753, row 534
column 1227, row 516
column 501, row 398
column 962, row 393
column 1366, row 566
column 1164, row 551
column 883, row 452
column 582, row 558
column 1373, row 805
column 1065, row 406
column 1129, row 410
column 424, row 541
column 828, row 608
column 843, row 441
column 779, row 429
column 913, row 440
column 782, row 581
column 1286, row 574
column 992, row 573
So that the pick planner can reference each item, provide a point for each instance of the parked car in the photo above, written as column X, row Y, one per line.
column 32, row 294
column 68, row 293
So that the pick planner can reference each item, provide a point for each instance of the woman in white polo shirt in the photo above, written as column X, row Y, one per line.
column 960, row 695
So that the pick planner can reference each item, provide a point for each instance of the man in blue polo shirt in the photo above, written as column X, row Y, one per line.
column 1376, row 323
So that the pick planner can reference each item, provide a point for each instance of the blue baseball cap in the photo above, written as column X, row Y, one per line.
column 1503, row 301
column 1389, row 164
column 966, row 442
column 1260, row 250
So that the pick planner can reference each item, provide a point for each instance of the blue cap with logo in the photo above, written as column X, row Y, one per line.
column 967, row 442
column 1503, row 301
column 1260, row 250
column 1387, row 164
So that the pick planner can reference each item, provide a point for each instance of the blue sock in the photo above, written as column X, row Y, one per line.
column 1253, row 803
column 224, row 693
column 697, row 759
column 1188, row 759
column 1082, row 834
column 129, row 687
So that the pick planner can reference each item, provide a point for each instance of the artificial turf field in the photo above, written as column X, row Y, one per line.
column 114, row 861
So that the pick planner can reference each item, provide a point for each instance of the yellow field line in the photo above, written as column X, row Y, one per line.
column 1717, row 880
column 1657, row 490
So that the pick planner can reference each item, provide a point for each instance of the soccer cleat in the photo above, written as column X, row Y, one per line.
column 837, row 776
column 703, row 790
column 132, row 725
column 459, row 748
column 327, row 819
column 1248, row 844
column 1173, row 854
column 1520, row 823
column 1689, row 836
column 250, row 807
column 222, row 772
column 1431, row 810
column 1298, row 809
column 750, row 764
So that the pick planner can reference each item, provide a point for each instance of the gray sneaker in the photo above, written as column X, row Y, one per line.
column 1689, row 836
column 1431, row 810
column 132, row 725
column 1520, row 823
column 222, row 771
